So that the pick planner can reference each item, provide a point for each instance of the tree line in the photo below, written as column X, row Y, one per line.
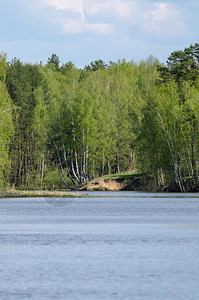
column 105, row 118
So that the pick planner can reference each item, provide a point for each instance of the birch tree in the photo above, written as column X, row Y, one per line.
column 6, row 124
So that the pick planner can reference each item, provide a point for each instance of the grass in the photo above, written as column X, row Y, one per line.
column 128, row 175
column 131, row 175
column 28, row 193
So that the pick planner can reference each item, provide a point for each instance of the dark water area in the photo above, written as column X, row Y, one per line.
column 109, row 245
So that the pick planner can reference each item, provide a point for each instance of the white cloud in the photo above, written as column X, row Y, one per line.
column 93, row 8
column 71, row 26
column 161, row 12
column 105, row 17
column 117, row 8
column 125, row 9
column 163, row 20
column 100, row 29
column 70, row 5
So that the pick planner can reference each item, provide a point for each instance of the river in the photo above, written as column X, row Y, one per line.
column 109, row 245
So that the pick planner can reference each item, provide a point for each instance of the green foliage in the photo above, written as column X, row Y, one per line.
column 54, row 61
column 168, row 140
column 3, row 67
column 22, row 80
column 79, row 124
column 96, row 65
column 6, row 125
column 182, row 66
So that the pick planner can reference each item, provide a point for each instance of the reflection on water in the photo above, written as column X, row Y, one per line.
column 110, row 245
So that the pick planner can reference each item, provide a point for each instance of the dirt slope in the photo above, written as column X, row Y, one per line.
column 134, row 183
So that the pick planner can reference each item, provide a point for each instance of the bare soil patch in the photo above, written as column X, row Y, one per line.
column 131, row 183
column 114, row 184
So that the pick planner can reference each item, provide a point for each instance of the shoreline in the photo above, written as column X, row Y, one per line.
column 37, row 193
column 134, row 182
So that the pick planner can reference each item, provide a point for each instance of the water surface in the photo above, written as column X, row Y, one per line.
column 110, row 245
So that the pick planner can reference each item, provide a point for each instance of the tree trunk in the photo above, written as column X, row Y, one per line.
column 117, row 166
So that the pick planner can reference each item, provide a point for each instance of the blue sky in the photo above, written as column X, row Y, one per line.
column 82, row 31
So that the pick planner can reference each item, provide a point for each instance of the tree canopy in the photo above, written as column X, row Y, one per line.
column 102, row 119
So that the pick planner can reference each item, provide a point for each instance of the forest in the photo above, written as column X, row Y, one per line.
column 61, row 126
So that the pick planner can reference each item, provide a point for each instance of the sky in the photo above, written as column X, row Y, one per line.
column 82, row 31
